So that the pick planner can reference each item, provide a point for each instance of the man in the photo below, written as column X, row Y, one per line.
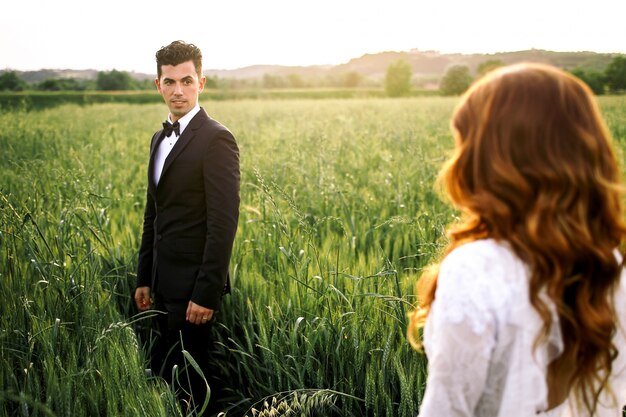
column 190, row 219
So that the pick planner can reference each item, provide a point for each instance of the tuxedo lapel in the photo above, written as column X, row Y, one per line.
column 156, row 141
column 194, row 124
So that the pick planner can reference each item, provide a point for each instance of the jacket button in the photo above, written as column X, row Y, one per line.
column 159, row 237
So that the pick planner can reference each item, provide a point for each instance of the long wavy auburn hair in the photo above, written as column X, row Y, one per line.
column 534, row 166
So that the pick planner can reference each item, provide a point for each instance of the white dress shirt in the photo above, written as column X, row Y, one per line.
column 169, row 141
column 480, row 336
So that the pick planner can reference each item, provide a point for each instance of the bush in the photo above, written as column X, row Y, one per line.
column 616, row 74
column 10, row 81
column 456, row 81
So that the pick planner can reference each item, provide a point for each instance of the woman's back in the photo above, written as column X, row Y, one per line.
column 480, row 337
column 519, row 328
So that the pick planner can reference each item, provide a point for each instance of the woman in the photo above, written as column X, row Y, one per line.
column 526, row 314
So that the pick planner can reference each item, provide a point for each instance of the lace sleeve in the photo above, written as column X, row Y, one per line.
column 459, row 336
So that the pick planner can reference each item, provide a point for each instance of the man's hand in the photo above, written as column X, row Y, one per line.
column 197, row 314
column 142, row 298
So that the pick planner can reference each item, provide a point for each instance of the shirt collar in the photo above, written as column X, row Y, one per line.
column 184, row 121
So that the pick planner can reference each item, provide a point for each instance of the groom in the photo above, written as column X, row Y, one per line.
column 190, row 219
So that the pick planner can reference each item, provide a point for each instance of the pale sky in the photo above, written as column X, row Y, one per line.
column 125, row 34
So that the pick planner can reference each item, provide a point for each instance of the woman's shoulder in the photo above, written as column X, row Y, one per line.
column 482, row 284
column 485, row 255
column 485, row 273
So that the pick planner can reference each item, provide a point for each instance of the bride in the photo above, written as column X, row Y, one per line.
column 526, row 314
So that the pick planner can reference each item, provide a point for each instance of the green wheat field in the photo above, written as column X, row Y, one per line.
column 339, row 215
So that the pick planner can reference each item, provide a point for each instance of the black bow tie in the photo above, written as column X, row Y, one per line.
column 168, row 128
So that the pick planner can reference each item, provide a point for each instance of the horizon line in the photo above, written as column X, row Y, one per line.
column 410, row 51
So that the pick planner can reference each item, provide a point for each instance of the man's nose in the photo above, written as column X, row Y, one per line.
column 178, row 89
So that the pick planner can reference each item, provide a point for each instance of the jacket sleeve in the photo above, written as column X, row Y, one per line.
column 221, row 188
column 144, row 267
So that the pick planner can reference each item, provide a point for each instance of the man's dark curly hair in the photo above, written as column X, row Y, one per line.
column 178, row 52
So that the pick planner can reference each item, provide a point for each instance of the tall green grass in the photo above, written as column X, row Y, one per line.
column 338, row 217
column 66, row 347
column 337, row 220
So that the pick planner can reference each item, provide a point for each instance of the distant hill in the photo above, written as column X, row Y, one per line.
column 43, row 74
column 431, row 63
column 425, row 64
column 258, row 71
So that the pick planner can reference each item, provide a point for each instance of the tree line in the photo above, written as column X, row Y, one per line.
column 398, row 80
column 123, row 81
column 105, row 81
column 610, row 81
column 458, row 78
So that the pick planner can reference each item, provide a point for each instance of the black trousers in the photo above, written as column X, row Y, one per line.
column 173, row 335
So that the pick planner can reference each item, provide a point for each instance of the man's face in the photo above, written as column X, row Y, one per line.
column 180, row 86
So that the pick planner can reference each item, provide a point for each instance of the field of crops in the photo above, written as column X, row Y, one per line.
column 339, row 214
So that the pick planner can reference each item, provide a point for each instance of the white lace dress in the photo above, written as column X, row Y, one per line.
column 479, row 341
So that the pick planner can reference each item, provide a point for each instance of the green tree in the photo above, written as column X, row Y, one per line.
column 594, row 79
column 10, row 81
column 615, row 74
column 62, row 84
column 456, row 80
column 398, row 79
column 145, row 84
column 114, row 80
column 486, row 66
column 211, row 82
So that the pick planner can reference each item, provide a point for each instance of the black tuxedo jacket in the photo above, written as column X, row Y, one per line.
column 191, row 217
